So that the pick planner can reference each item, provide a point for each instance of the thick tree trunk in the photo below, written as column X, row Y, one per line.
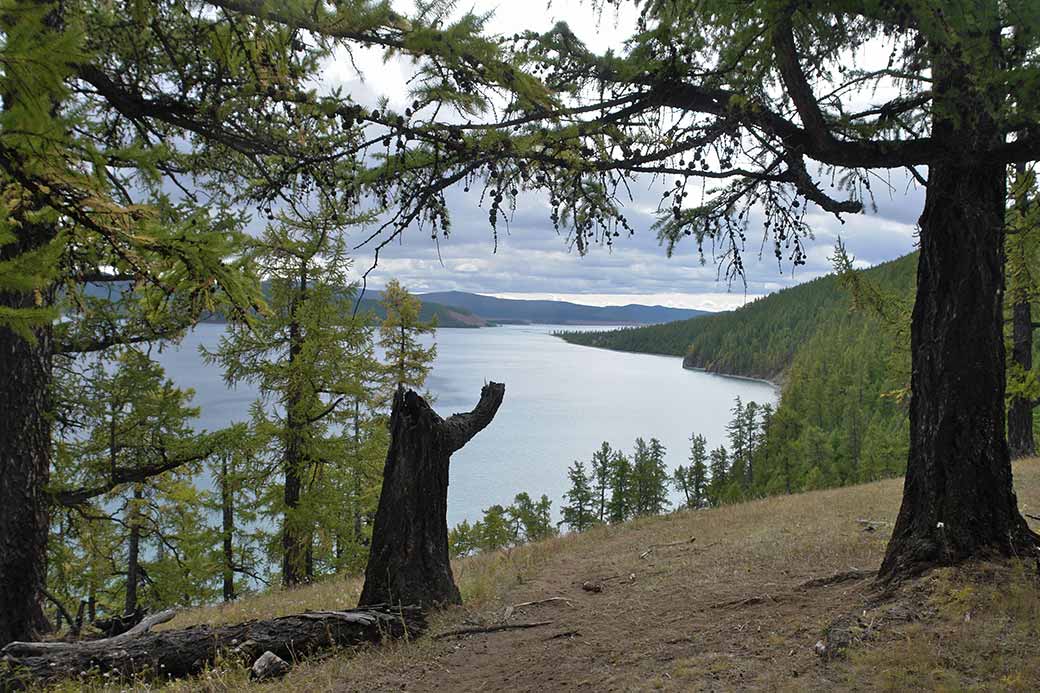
column 179, row 653
column 958, row 500
column 25, row 451
column 409, row 561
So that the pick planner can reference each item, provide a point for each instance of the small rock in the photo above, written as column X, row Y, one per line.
column 268, row 666
column 591, row 586
column 821, row 648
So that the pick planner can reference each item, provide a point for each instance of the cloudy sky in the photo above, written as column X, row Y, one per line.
column 533, row 261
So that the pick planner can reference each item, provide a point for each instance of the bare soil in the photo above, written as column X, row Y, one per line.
column 728, row 611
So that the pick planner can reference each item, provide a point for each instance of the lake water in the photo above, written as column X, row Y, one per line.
column 561, row 402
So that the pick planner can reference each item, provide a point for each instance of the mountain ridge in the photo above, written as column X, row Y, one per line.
column 547, row 311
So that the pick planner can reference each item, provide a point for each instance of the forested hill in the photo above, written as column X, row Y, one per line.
column 760, row 339
column 508, row 310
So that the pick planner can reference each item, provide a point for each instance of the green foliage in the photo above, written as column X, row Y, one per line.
column 760, row 339
column 121, row 417
column 840, row 345
column 531, row 521
column 493, row 532
column 693, row 480
column 650, row 478
column 409, row 362
column 580, row 511
column 620, row 507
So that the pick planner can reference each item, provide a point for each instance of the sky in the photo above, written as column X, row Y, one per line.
column 532, row 261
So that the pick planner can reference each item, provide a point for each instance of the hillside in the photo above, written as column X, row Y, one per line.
column 733, row 610
column 840, row 419
column 760, row 339
column 447, row 316
column 503, row 310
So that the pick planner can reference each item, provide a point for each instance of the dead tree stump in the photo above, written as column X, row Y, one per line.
column 409, row 562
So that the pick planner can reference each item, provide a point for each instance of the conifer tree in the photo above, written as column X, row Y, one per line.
column 602, row 464
column 692, row 480
column 620, row 507
column 464, row 539
column 580, row 511
column 408, row 361
column 718, row 465
column 238, row 479
column 532, row 521
column 307, row 355
column 107, row 107
column 1023, row 287
column 493, row 530
column 649, row 478
column 126, row 440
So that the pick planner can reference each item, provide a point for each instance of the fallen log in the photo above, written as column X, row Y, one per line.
column 182, row 652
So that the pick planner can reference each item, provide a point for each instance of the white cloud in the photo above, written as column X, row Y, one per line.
column 532, row 260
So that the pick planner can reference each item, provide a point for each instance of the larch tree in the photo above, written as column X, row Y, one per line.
column 776, row 104
column 580, row 510
column 601, row 470
column 125, row 456
column 619, row 508
column 306, row 354
column 408, row 362
column 134, row 139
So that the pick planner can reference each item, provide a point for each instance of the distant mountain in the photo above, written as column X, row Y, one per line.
column 507, row 310
column 447, row 316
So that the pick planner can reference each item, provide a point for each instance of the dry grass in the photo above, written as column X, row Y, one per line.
column 658, row 625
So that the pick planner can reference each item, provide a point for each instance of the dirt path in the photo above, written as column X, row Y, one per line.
column 724, row 612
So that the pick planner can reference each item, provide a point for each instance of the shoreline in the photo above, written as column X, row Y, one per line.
column 775, row 386
column 772, row 384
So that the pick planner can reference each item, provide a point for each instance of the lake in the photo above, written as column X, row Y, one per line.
column 561, row 402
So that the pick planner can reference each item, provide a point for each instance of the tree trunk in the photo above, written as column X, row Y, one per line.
column 25, row 430
column 133, row 553
column 25, row 452
column 179, row 653
column 409, row 561
column 227, row 506
column 958, row 500
column 294, row 549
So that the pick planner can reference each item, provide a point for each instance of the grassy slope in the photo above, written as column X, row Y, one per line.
column 726, row 612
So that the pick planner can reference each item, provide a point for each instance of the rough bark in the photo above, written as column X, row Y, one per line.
column 25, row 452
column 958, row 500
column 25, row 431
column 183, row 652
column 409, row 561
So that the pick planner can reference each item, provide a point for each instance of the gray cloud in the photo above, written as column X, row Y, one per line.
column 532, row 259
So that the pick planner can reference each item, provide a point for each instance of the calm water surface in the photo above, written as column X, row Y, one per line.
column 561, row 402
